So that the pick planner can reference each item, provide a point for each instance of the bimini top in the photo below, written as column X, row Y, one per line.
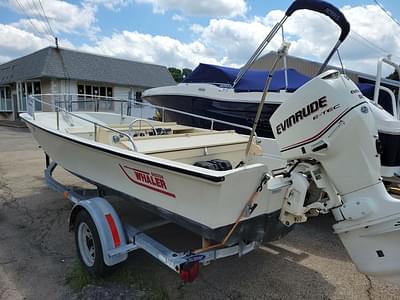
column 252, row 81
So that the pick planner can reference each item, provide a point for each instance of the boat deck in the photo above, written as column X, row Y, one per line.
column 167, row 140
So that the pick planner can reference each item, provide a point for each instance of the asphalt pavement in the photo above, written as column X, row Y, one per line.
column 37, row 251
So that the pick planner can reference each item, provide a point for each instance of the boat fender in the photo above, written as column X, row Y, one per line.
column 108, row 225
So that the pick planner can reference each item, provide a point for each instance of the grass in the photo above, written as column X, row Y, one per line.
column 77, row 278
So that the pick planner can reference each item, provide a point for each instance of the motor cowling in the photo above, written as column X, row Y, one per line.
column 329, row 120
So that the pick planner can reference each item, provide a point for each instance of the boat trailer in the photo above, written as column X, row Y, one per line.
column 97, row 225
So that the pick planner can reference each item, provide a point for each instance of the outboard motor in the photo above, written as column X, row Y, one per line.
column 327, row 132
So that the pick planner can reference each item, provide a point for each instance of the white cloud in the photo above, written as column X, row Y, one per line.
column 63, row 16
column 221, row 41
column 178, row 18
column 16, row 42
column 115, row 5
column 232, row 42
column 210, row 8
column 311, row 35
column 153, row 49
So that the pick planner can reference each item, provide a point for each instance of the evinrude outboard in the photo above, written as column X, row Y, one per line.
column 327, row 133
column 336, row 149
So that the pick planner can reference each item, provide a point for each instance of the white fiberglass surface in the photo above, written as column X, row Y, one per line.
column 84, row 120
column 217, row 93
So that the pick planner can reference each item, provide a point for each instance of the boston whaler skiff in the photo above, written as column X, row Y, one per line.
column 216, row 184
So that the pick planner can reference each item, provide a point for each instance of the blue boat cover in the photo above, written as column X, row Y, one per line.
column 254, row 81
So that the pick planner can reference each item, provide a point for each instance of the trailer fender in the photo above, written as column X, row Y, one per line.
column 108, row 225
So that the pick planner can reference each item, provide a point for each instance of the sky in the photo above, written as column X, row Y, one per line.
column 183, row 33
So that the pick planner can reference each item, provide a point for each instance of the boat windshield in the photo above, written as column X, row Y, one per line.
column 252, row 81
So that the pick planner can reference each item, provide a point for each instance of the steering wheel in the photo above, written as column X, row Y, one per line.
column 130, row 129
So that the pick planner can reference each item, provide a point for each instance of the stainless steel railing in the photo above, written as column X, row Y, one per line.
column 95, row 124
column 67, row 100
column 96, row 99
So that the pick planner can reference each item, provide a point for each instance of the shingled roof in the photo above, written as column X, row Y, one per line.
column 60, row 63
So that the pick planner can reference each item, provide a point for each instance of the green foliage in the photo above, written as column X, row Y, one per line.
column 393, row 76
column 77, row 278
column 178, row 74
column 186, row 72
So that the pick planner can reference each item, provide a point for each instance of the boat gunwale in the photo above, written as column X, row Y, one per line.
column 119, row 153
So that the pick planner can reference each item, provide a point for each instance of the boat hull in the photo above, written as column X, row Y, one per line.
column 209, row 204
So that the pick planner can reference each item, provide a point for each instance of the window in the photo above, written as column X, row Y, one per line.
column 24, row 89
column 8, row 98
column 95, row 90
column 88, row 89
column 81, row 99
column 81, row 90
column 109, row 92
column 29, row 87
column 103, row 91
column 94, row 93
column 138, row 96
column 5, row 98
column 23, row 97
column 36, row 88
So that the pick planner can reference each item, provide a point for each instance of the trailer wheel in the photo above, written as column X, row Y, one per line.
column 89, row 247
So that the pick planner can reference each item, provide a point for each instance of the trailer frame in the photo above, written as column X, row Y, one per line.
column 118, row 239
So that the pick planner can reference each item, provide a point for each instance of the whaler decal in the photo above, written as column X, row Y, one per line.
column 153, row 181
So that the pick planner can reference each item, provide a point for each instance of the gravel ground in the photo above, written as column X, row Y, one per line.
column 37, row 252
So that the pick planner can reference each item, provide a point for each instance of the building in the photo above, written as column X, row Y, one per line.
column 60, row 71
column 311, row 68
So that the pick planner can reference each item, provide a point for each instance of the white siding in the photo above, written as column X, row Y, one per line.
column 121, row 92
column 64, row 87
column 126, row 92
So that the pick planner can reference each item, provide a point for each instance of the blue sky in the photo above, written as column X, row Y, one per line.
column 184, row 33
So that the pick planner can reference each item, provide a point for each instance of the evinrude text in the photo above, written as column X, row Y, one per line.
column 302, row 113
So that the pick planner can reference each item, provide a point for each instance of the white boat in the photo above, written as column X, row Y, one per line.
column 325, row 132
column 126, row 155
column 209, row 91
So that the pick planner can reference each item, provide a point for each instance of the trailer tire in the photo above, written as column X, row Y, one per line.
column 89, row 247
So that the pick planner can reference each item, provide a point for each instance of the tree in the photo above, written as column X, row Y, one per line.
column 186, row 72
column 393, row 76
column 176, row 74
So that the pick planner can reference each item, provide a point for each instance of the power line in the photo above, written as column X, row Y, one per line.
column 47, row 29
column 47, row 19
column 36, row 10
column 366, row 41
column 386, row 12
column 369, row 43
column 27, row 17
